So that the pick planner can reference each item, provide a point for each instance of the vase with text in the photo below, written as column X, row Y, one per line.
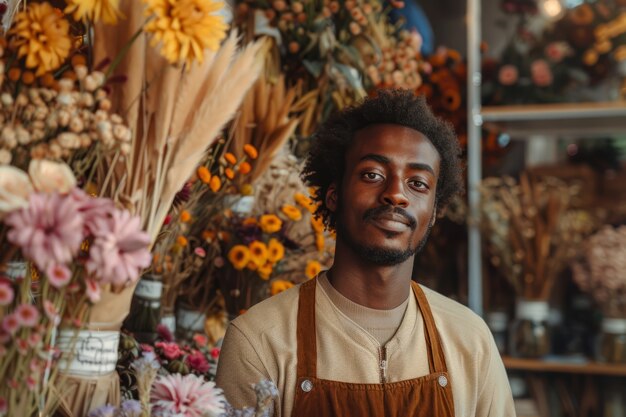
column 529, row 334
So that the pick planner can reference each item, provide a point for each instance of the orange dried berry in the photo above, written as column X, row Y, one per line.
column 185, row 216
column 230, row 174
column 78, row 60
column 215, row 184
column 47, row 80
column 28, row 77
column 14, row 74
column 204, row 174
column 245, row 168
column 182, row 241
column 230, row 158
column 251, row 151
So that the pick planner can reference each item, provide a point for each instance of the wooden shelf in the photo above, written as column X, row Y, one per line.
column 538, row 365
column 561, row 120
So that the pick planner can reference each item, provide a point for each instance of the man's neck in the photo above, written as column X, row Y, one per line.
column 372, row 286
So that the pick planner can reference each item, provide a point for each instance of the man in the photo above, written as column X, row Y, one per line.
column 362, row 339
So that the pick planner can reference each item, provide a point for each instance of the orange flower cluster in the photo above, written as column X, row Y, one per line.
column 228, row 169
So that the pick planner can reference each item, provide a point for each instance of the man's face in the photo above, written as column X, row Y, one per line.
column 385, row 203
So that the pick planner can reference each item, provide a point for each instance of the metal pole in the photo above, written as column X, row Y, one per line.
column 474, row 157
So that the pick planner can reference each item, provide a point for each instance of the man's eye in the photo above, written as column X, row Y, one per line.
column 420, row 185
column 371, row 176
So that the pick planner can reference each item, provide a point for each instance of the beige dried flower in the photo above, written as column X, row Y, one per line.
column 5, row 157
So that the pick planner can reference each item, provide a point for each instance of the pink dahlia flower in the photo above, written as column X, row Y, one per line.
column 49, row 230
column 186, row 396
column 27, row 315
column 58, row 275
column 92, row 208
column 6, row 294
column 120, row 249
column 198, row 362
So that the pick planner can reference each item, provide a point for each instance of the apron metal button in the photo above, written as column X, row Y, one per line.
column 443, row 381
column 306, row 385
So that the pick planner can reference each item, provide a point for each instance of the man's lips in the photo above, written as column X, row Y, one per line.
column 392, row 222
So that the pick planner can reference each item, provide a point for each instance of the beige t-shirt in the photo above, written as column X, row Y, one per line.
column 261, row 344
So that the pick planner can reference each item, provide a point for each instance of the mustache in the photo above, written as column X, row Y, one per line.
column 375, row 212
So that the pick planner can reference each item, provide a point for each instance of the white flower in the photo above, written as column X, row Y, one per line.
column 15, row 188
column 49, row 177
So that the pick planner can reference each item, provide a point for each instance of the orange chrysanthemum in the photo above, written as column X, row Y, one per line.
column 185, row 216
column 258, row 253
column 93, row 10
column 275, row 250
column 280, row 285
column 41, row 34
column 185, row 28
column 312, row 269
column 270, row 223
column 239, row 256
column 291, row 212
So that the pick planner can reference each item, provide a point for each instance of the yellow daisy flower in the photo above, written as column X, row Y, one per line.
column 279, row 286
column 305, row 202
column 93, row 10
column 258, row 253
column 41, row 34
column 185, row 28
column 239, row 256
column 291, row 212
column 270, row 223
column 312, row 269
column 275, row 250
column 265, row 271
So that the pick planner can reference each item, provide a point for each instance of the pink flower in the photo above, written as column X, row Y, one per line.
column 31, row 383
column 198, row 362
column 10, row 324
column 556, row 51
column 6, row 294
column 93, row 290
column 164, row 333
column 200, row 251
column 92, row 208
column 4, row 407
column 34, row 339
column 508, row 75
column 51, row 311
column 49, row 230
column 185, row 396
column 146, row 348
column 59, row 275
column 27, row 315
column 200, row 339
column 170, row 350
column 22, row 346
column 215, row 352
column 120, row 249
column 540, row 73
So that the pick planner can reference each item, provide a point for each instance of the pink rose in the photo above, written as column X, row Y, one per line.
column 541, row 73
column 170, row 350
column 508, row 75
column 556, row 51
column 198, row 362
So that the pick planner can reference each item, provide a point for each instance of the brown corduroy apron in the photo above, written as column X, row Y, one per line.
column 426, row 396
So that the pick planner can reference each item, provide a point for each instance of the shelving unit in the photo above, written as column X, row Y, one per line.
column 588, row 368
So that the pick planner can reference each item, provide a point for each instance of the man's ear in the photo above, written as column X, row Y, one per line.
column 331, row 197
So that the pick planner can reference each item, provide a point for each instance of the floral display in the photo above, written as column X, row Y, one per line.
column 599, row 270
column 532, row 231
column 583, row 48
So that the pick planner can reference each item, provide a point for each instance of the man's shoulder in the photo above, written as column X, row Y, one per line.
column 275, row 312
column 454, row 317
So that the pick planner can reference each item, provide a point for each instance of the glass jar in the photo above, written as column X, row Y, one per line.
column 145, row 309
column 498, row 322
column 189, row 322
column 612, row 340
column 529, row 336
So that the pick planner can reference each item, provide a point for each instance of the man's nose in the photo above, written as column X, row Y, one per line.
column 394, row 193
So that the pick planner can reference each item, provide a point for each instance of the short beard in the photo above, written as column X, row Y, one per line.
column 382, row 256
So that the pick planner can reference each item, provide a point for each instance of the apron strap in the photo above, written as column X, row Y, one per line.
column 307, row 343
column 436, row 359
